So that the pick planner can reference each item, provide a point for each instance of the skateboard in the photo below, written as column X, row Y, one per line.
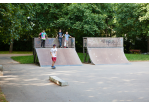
column 54, row 67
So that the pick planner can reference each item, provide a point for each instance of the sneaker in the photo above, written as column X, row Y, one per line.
column 51, row 66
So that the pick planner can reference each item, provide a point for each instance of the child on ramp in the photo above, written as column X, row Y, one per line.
column 66, row 39
column 43, row 38
column 53, row 53
column 60, row 36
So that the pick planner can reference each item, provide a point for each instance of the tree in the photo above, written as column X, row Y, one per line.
column 128, row 22
column 14, row 21
column 45, row 14
column 145, row 18
column 79, row 19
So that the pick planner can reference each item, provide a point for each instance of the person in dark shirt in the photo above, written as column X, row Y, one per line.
column 60, row 36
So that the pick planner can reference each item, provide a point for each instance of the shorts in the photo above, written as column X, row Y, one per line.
column 54, row 59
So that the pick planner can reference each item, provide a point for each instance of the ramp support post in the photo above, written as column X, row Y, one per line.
column 36, row 60
column 35, row 56
column 85, row 52
column 1, row 70
column 148, row 44
column 86, row 55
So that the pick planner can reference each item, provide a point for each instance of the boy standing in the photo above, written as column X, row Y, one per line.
column 53, row 53
column 67, row 39
column 60, row 35
column 43, row 38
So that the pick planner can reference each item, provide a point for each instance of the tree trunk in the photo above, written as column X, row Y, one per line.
column 11, row 46
column 106, row 28
column 148, row 44
column 106, row 32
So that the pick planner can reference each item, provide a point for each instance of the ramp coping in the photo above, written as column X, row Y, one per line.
column 59, row 65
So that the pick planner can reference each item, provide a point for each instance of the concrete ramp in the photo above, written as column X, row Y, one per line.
column 65, row 57
column 107, row 56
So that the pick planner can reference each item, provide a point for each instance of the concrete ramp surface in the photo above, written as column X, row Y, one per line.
column 65, row 57
column 107, row 56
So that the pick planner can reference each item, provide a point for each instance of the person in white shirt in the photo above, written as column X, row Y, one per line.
column 53, row 53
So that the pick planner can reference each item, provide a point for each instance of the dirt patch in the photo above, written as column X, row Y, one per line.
column 2, row 97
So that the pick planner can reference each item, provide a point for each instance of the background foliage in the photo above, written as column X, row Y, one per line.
column 19, row 23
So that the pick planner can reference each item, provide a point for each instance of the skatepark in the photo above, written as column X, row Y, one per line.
column 121, row 81
column 74, row 52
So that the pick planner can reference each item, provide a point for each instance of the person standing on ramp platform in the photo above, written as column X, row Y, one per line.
column 60, row 36
column 53, row 53
column 43, row 38
column 67, row 39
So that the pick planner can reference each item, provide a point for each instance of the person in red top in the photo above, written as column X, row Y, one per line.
column 53, row 53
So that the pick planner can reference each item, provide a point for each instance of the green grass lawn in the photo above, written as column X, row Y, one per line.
column 24, row 59
column 80, row 56
column 16, row 52
column 137, row 57
column 130, row 57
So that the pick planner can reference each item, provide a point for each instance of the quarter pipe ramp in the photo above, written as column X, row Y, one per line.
column 65, row 57
column 103, row 50
column 107, row 56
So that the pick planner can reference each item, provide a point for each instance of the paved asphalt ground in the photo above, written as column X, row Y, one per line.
column 87, row 83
